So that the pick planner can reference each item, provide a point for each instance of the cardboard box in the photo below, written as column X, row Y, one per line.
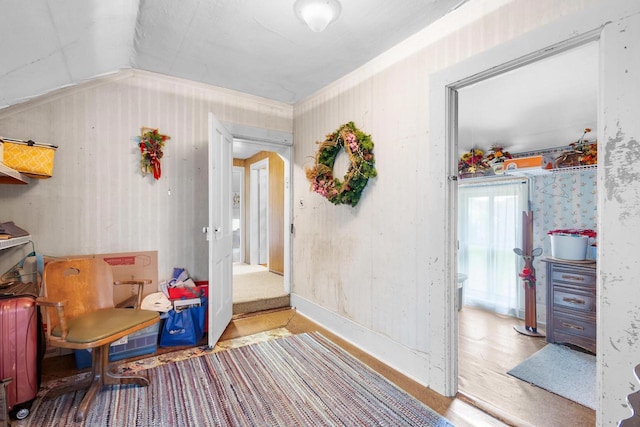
column 522, row 163
column 130, row 266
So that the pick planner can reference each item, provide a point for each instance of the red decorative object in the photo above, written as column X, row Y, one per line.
column 151, row 144
column 574, row 232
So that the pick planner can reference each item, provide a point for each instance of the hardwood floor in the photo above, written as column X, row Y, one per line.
column 488, row 348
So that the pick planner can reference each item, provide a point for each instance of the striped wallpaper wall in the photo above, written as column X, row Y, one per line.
column 97, row 201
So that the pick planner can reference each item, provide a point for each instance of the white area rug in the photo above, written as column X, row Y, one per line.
column 563, row 371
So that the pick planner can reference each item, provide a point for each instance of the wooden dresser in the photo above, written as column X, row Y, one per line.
column 571, row 303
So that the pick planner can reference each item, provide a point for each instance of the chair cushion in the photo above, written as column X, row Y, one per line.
column 103, row 323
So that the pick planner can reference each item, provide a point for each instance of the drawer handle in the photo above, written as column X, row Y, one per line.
column 573, row 300
column 572, row 326
column 570, row 277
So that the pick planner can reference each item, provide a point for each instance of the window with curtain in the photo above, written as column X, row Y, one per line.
column 489, row 227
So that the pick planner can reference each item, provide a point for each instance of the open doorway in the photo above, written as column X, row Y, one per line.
column 535, row 108
column 261, row 270
column 261, row 208
column 237, row 189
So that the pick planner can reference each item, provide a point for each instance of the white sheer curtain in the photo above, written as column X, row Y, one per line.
column 489, row 227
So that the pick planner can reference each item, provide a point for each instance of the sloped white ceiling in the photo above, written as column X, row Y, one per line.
column 253, row 46
column 46, row 45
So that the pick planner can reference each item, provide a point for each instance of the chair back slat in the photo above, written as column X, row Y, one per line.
column 86, row 284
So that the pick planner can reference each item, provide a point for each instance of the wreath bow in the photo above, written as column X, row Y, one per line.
column 359, row 147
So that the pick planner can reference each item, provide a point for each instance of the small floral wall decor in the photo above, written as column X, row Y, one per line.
column 151, row 143
column 359, row 146
column 473, row 164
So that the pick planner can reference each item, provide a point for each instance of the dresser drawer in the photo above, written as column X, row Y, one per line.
column 574, row 276
column 565, row 298
column 569, row 325
column 571, row 304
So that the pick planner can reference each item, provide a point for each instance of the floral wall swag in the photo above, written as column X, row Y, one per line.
column 359, row 146
column 151, row 143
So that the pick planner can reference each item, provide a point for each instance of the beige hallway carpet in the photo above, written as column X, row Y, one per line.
column 255, row 288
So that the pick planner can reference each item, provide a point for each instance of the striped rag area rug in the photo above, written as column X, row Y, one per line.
column 300, row 380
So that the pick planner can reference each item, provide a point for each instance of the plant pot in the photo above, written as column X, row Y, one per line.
column 569, row 247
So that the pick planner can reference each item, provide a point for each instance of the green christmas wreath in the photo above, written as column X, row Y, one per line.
column 359, row 146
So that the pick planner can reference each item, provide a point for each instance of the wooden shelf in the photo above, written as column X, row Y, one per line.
column 10, row 176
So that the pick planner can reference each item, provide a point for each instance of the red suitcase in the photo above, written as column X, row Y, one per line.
column 19, row 352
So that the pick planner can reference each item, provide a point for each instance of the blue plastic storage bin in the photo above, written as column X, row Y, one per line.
column 145, row 341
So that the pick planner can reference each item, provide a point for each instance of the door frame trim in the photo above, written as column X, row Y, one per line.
column 528, row 48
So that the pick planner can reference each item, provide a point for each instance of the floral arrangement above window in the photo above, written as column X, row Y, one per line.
column 496, row 158
column 582, row 153
column 473, row 163
column 151, row 143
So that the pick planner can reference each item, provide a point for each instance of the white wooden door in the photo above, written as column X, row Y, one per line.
column 219, row 231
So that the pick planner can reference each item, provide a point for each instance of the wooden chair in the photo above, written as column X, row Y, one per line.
column 80, row 314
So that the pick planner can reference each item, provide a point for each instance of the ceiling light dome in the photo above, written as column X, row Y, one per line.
column 317, row 14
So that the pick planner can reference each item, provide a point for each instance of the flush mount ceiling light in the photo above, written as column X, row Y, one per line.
column 317, row 14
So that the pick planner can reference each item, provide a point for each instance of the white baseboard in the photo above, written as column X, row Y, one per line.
column 411, row 363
